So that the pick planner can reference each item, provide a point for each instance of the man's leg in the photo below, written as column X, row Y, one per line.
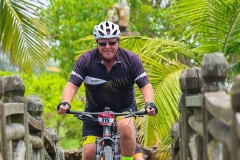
column 89, row 147
column 89, row 151
column 91, row 130
column 127, row 140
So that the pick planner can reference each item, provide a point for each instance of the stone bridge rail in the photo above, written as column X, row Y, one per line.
column 209, row 123
column 23, row 133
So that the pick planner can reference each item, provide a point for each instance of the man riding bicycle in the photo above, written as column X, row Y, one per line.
column 109, row 73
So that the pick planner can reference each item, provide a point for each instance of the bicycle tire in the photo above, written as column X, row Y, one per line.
column 107, row 154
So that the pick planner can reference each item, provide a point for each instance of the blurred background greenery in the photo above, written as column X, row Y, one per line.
column 42, row 40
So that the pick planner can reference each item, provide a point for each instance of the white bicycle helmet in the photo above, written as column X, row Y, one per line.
column 106, row 29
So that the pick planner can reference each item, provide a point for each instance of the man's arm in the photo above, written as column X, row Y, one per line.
column 148, row 95
column 67, row 96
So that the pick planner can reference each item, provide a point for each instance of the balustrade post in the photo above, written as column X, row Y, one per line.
column 190, row 84
column 59, row 152
column 13, row 96
column 14, row 89
column 35, row 109
column 214, row 72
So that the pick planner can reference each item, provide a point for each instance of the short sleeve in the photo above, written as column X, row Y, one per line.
column 138, row 72
column 78, row 72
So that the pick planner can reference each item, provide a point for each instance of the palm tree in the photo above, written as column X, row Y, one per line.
column 23, row 35
column 215, row 26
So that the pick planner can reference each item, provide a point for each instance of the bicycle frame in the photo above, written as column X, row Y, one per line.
column 110, row 138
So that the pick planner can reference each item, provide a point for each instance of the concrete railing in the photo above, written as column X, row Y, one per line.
column 23, row 133
column 209, row 122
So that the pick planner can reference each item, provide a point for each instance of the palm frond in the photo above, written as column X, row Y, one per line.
column 153, row 47
column 23, row 35
column 164, row 79
column 134, row 43
column 215, row 24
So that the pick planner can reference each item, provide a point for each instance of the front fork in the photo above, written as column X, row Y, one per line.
column 108, row 141
column 98, row 156
column 116, row 144
column 115, row 138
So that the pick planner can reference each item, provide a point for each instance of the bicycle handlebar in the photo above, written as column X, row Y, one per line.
column 126, row 114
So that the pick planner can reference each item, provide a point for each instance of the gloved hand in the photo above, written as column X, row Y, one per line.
column 151, row 105
column 62, row 109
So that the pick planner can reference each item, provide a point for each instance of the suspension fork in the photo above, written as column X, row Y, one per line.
column 97, row 157
column 116, row 144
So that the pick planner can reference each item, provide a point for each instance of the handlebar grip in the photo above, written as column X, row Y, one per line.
column 68, row 111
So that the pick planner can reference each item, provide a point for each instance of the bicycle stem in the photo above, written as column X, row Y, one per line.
column 106, row 131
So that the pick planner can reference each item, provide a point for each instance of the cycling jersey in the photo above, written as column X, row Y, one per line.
column 114, row 89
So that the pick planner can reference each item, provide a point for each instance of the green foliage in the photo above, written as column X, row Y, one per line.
column 215, row 26
column 71, row 20
column 150, row 19
column 23, row 35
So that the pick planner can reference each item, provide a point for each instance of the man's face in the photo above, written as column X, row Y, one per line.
column 108, row 47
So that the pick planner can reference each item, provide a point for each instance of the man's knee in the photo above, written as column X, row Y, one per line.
column 88, row 151
column 127, row 126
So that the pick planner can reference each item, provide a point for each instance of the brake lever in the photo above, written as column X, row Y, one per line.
column 131, row 114
column 83, row 117
column 80, row 117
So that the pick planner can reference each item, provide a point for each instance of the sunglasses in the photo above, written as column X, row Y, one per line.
column 105, row 43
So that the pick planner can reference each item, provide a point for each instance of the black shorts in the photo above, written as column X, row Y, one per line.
column 93, row 129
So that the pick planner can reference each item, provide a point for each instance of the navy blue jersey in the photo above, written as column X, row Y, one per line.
column 114, row 89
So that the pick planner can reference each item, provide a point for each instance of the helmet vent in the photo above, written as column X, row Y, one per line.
column 107, row 24
column 106, row 29
column 102, row 34
column 114, row 33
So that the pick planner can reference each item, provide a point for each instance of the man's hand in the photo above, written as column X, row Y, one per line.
column 151, row 108
column 63, row 107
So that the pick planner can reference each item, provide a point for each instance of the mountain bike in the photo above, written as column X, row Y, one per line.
column 107, row 146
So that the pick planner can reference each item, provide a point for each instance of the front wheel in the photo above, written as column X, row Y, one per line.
column 107, row 154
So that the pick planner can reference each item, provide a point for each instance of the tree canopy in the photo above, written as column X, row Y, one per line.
column 73, row 20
